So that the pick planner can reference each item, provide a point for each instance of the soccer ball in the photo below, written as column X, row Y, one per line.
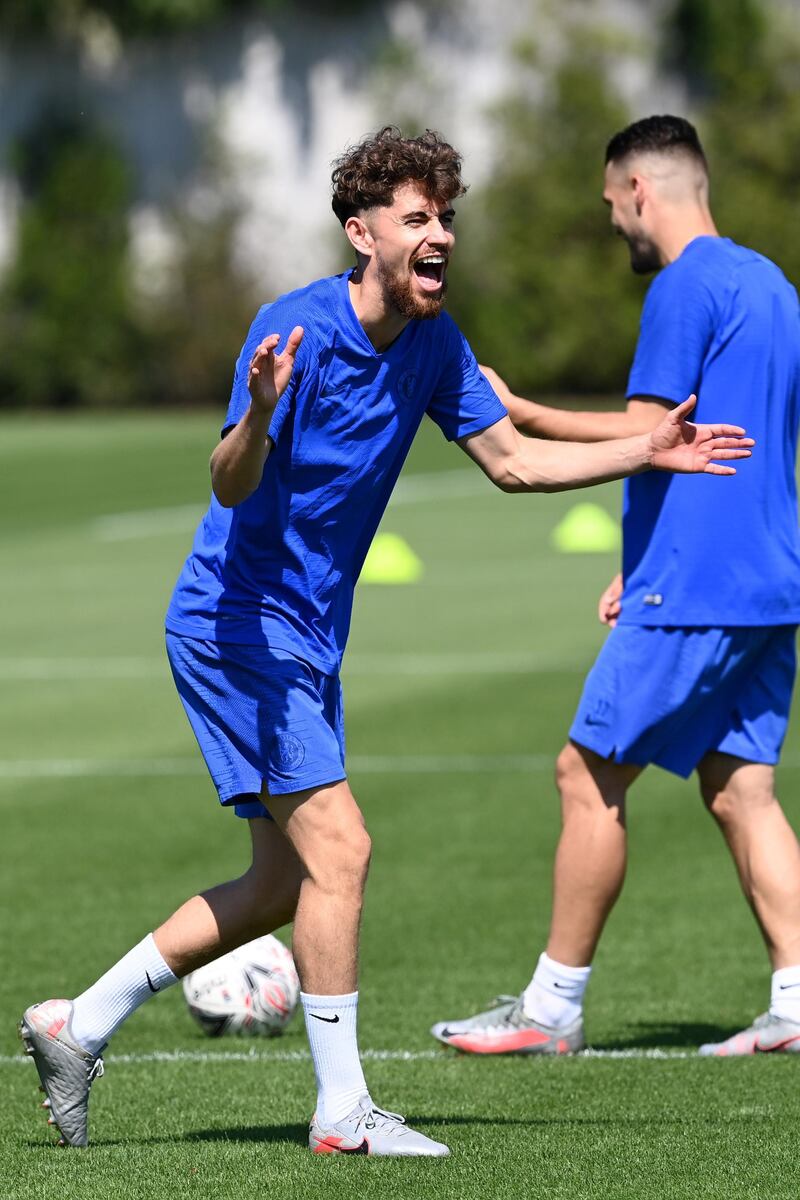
column 253, row 990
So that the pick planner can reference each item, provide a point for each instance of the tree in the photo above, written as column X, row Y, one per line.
column 741, row 63
column 540, row 284
column 68, row 334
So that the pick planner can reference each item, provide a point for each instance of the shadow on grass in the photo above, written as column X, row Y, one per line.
column 436, row 1125
column 683, row 1035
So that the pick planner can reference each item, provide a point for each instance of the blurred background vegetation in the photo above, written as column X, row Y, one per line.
column 540, row 286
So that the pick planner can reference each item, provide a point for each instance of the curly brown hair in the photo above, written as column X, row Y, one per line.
column 367, row 174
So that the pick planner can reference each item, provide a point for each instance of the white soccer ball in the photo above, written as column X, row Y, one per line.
column 253, row 990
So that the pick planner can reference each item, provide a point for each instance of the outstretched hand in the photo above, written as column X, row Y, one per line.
column 678, row 445
column 269, row 372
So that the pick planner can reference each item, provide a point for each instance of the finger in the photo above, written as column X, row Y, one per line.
column 731, row 443
column 682, row 411
column 726, row 454
column 293, row 343
column 266, row 345
column 724, row 430
column 713, row 469
column 263, row 351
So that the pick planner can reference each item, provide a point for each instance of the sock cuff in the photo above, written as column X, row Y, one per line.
column 579, row 974
column 786, row 975
column 348, row 1000
column 157, row 967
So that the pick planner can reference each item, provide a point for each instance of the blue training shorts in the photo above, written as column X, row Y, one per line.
column 259, row 715
column 668, row 696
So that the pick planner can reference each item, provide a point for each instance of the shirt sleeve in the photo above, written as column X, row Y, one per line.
column 464, row 401
column 676, row 329
column 271, row 318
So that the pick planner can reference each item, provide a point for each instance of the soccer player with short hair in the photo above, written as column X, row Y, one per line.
column 698, row 670
column 312, row 445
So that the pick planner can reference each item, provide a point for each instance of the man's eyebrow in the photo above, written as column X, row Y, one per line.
column 422, row 214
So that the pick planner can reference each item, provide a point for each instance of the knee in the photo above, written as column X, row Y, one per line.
column 340, row 859
column 573, row 780
column 730, row 805
column 567, row 765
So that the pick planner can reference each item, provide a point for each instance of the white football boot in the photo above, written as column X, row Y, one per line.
column 370, row 1130
column 505, row 1029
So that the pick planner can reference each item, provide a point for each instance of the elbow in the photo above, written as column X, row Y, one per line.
column 225, row 492
column 223, row 498
column 511, row 477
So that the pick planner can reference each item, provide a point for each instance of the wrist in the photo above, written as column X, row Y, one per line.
column 649, row 451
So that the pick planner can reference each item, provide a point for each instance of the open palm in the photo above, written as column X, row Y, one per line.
column 680, row 446
column 269, row 372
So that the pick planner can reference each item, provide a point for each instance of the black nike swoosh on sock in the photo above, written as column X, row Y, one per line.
column 330, row 1020
column 784, row 986
column 150, row 983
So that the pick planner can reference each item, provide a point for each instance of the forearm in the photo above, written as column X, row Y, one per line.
column 563, row 425
column 542, row 466
column 237, row 463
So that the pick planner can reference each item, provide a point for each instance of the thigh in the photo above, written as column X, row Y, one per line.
column 324, row 825
column 636, row 693
column 758, row 714
column 260, row 717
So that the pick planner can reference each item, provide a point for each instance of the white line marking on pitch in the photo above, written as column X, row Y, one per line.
column 296, row 1056
column 358, row 764
column 182, row 518
column 376, row 764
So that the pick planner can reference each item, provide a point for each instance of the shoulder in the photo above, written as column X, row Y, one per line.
column 313, row 306
column 699, row 277
column 444, row 334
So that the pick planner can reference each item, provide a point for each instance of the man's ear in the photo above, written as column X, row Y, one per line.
column 359, row 235
column 639, row 193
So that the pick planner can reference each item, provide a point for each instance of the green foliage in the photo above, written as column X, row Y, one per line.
column 710, row 42
column 74, row 332
column 194, row 331
column 34, row 18
column 747, row 70
column 540, row 284
column 68, row 335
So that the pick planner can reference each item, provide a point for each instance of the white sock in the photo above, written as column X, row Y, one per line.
column 554, row 996
column 331, row 1027
column 785, row 998
column 101, row 1009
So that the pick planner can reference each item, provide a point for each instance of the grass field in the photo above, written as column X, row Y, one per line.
column 459, row 690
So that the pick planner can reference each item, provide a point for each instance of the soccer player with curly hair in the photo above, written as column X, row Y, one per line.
column 330, row 388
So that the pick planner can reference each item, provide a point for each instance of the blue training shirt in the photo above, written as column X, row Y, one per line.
column 281, row 567
column 721, row 321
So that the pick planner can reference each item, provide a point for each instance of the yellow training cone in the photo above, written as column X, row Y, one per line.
column 586, row 529
column 391, row 560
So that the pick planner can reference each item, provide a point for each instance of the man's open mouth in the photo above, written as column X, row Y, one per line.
column 430, row 270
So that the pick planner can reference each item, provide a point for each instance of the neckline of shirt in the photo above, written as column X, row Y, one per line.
column 350, row 312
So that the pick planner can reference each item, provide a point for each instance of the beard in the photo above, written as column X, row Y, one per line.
column 399, row 291
column 645, row 258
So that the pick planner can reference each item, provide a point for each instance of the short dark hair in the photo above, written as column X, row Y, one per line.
column 368, row 174
column 656, row 135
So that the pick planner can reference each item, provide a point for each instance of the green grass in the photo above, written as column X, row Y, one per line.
column 457, row 904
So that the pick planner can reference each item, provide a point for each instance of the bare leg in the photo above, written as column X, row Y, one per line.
column 592, row 851
column 327, row 831
column 224, row 917
column 741, row 797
